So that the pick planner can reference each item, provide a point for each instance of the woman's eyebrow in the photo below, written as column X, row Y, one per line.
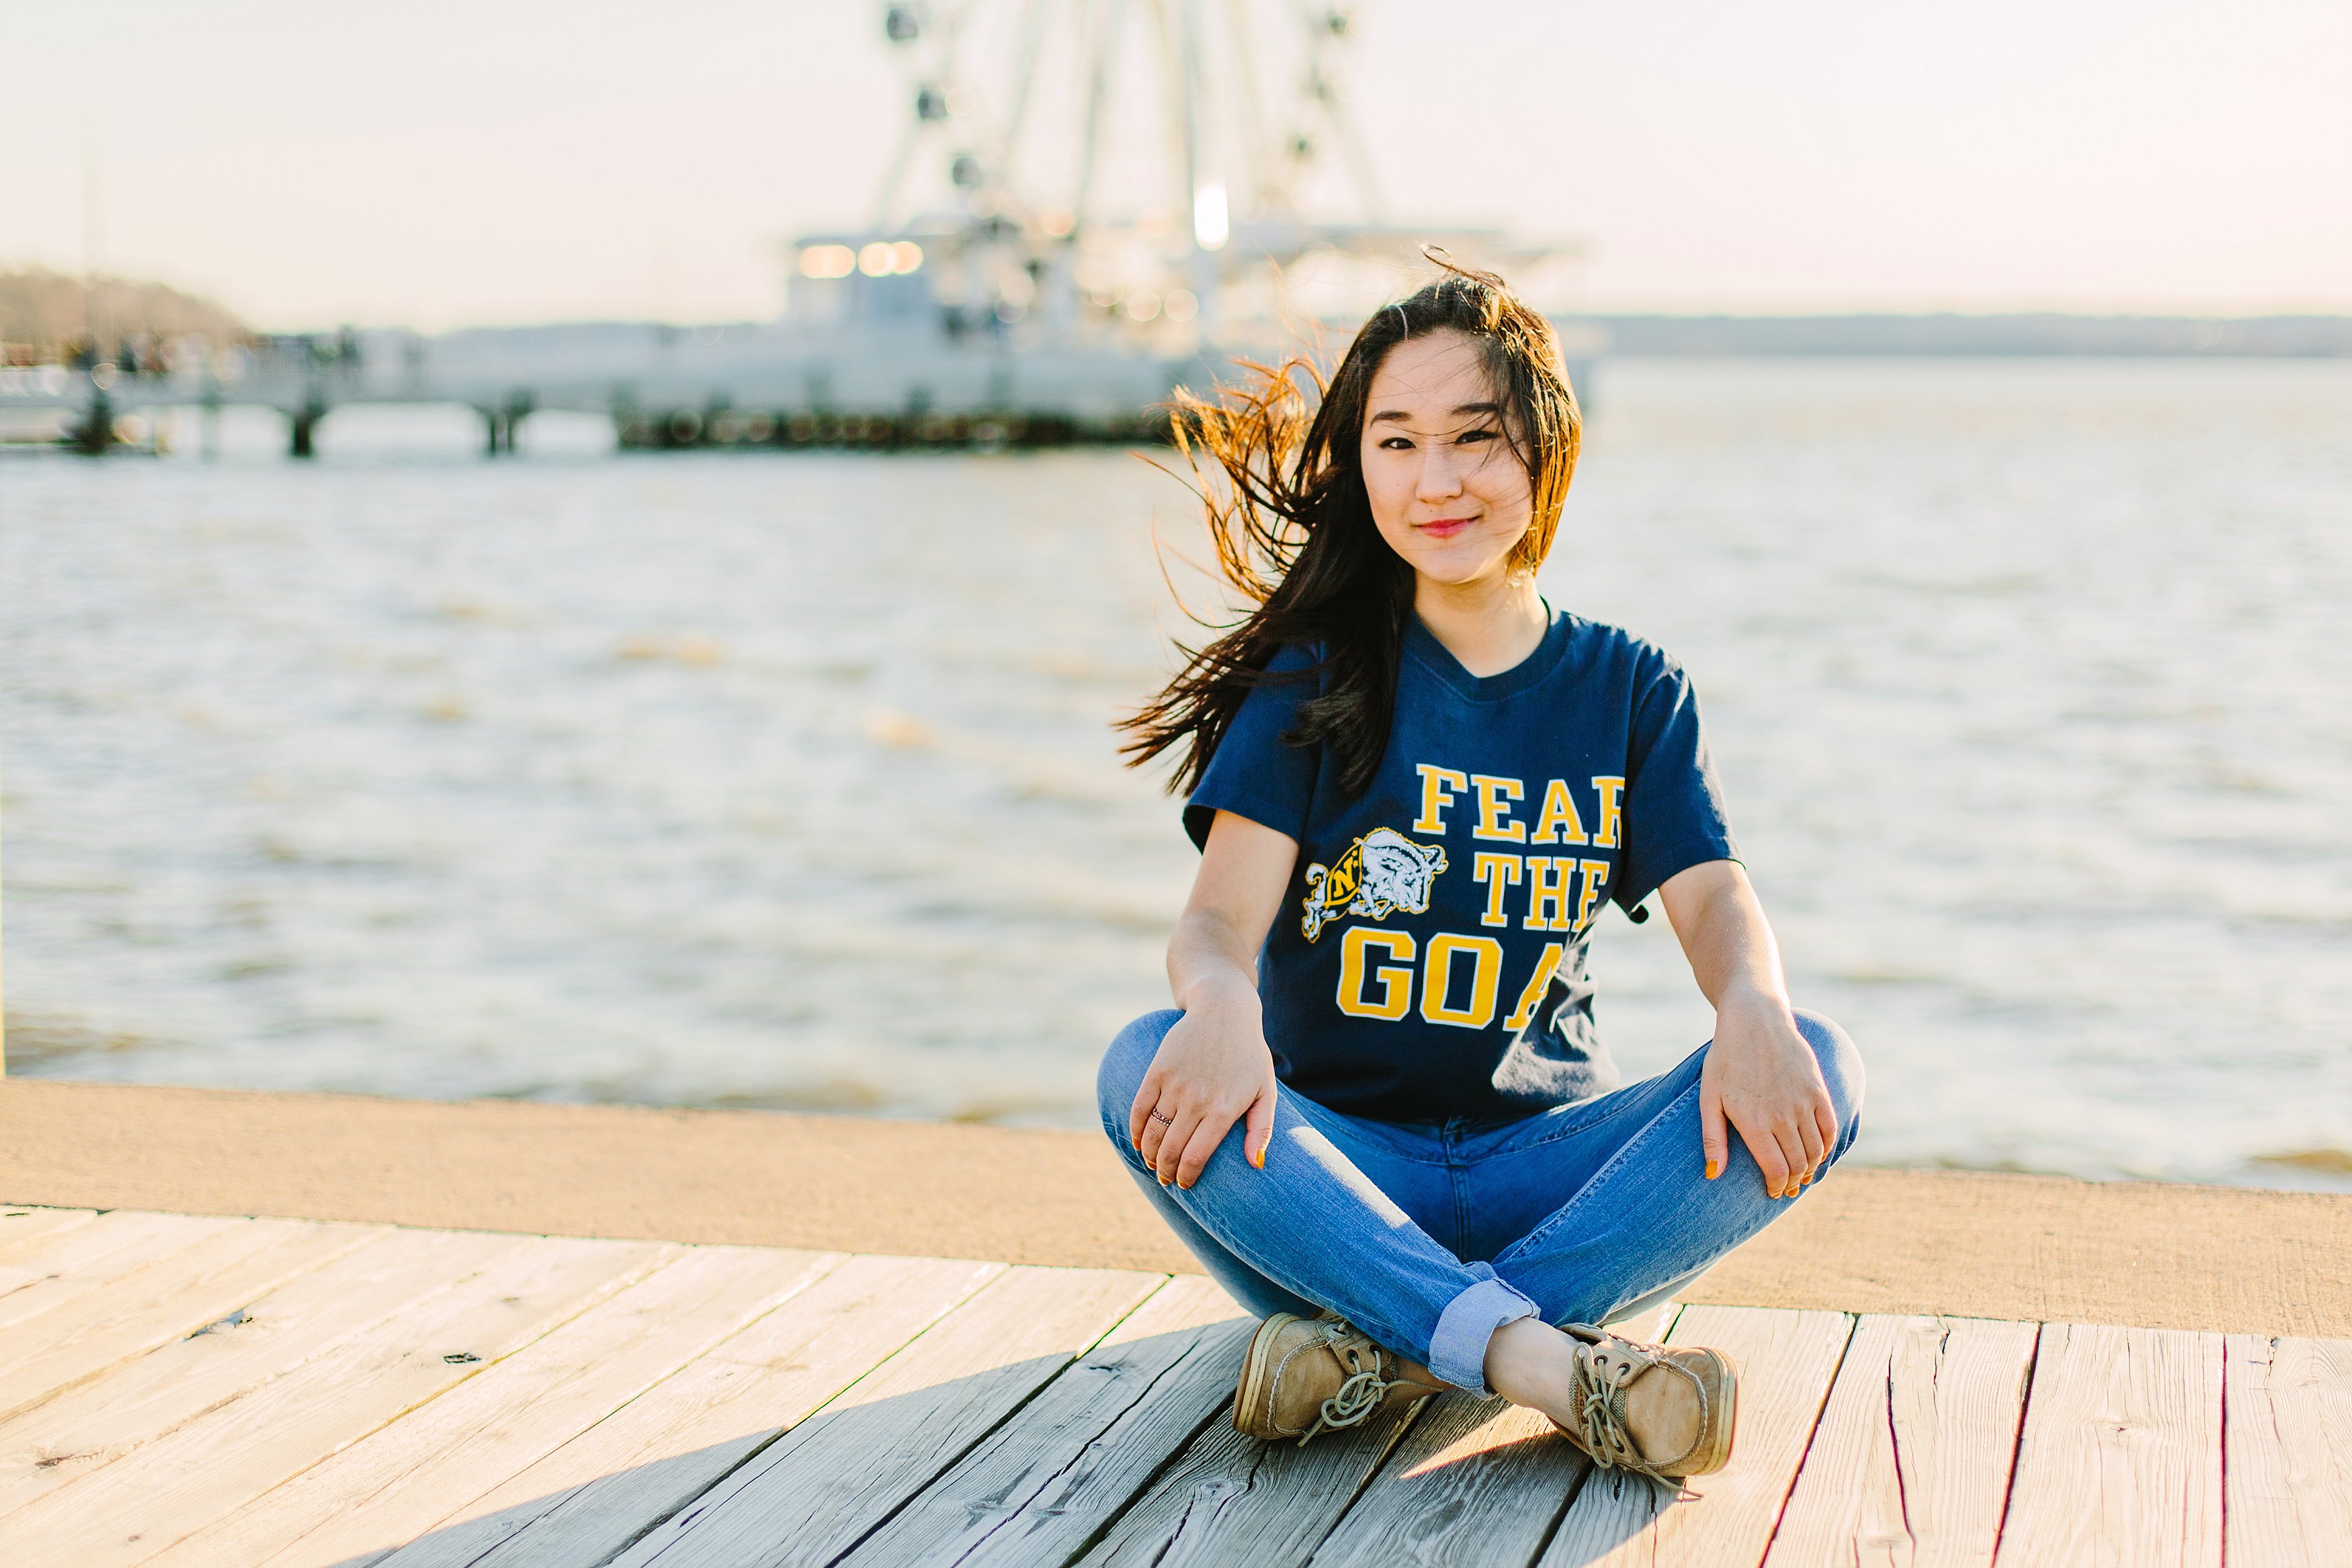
column 1398, row 416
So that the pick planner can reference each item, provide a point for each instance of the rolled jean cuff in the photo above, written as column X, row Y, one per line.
column 1457, row 1351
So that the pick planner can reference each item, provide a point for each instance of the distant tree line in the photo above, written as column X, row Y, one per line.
column 2029, row 335
column 48, row 316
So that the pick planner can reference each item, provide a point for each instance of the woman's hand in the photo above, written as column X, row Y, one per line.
column 1212, row 1070
column 1215, row 1069
column 1762, row 1077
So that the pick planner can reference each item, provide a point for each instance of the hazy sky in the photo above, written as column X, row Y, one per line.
column 436, row 164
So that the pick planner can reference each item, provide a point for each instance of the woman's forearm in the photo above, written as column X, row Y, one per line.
column 1761, row 1076
column 1208, row 958
column 1212, row 1068
column 1725, row 935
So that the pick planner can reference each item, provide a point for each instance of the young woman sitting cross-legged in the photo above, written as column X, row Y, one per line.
column 1379, row 1114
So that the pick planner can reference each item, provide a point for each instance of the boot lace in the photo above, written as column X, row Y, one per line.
column 1356, row 1398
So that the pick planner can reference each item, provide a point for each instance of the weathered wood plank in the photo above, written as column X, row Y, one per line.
column 2121, row 1461
column 1910, row 1464
column 24, row 1230
column 817, row 1491
column 1232, row 1500
column 177, row 1294
column 1786, row 1361
column 90, row 1257
column 1474, row 1482
column 660, row 1452
column 2289, row 1463
column 1040, row 1487
column 209, row 1467
column 65, row 1439
column 399, row 1481
column 1186, row 1302
column 1617, row 1520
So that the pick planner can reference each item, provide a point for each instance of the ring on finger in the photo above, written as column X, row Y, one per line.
column 1163, row 1120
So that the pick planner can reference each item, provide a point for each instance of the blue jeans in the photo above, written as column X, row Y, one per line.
column 1429, row 1236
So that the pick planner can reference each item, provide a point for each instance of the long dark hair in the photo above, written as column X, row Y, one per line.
column 1294, row 533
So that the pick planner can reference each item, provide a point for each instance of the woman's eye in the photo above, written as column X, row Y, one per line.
column 1468, row 436
column 1396, row 443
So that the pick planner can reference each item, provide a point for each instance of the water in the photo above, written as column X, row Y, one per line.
column 754, row 778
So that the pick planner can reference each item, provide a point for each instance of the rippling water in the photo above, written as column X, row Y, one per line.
column 780, row 779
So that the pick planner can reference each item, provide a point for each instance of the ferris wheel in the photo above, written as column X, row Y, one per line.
column 1026, row 106
column 1151, row 168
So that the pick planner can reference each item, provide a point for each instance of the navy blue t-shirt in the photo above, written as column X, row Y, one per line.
column 1428, row 960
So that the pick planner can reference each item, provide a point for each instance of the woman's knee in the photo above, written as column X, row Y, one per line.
column 1840, row 1065
column 1120, row 1077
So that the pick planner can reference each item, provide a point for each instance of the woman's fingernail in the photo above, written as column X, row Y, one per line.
column 1258, row 1159
column 1714, row 1169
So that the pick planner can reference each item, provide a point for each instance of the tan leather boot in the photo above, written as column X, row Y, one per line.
column 1307, row 1375
column 1659, row 1410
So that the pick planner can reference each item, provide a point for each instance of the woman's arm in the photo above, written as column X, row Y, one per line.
column 1759, row 1073
column 1215, row 1069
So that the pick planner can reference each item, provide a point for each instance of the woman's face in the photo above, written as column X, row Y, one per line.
column 1446, row 490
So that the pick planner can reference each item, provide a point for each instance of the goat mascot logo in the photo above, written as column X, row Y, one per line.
column 1382, row 871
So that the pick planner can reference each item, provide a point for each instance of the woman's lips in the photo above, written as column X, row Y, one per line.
column 1443, row 528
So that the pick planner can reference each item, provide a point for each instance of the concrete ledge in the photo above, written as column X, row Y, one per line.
column 1973, row 1245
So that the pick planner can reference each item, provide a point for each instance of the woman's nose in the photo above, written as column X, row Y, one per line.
column 1440, row 473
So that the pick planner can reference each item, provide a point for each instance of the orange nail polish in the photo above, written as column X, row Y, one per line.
column 1258, row 1159
column 1714, row 1169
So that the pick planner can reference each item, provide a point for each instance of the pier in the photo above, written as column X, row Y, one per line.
column 198, row 1388
column 769, row 385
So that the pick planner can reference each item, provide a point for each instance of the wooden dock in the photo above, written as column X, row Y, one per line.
column 179, row 1390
